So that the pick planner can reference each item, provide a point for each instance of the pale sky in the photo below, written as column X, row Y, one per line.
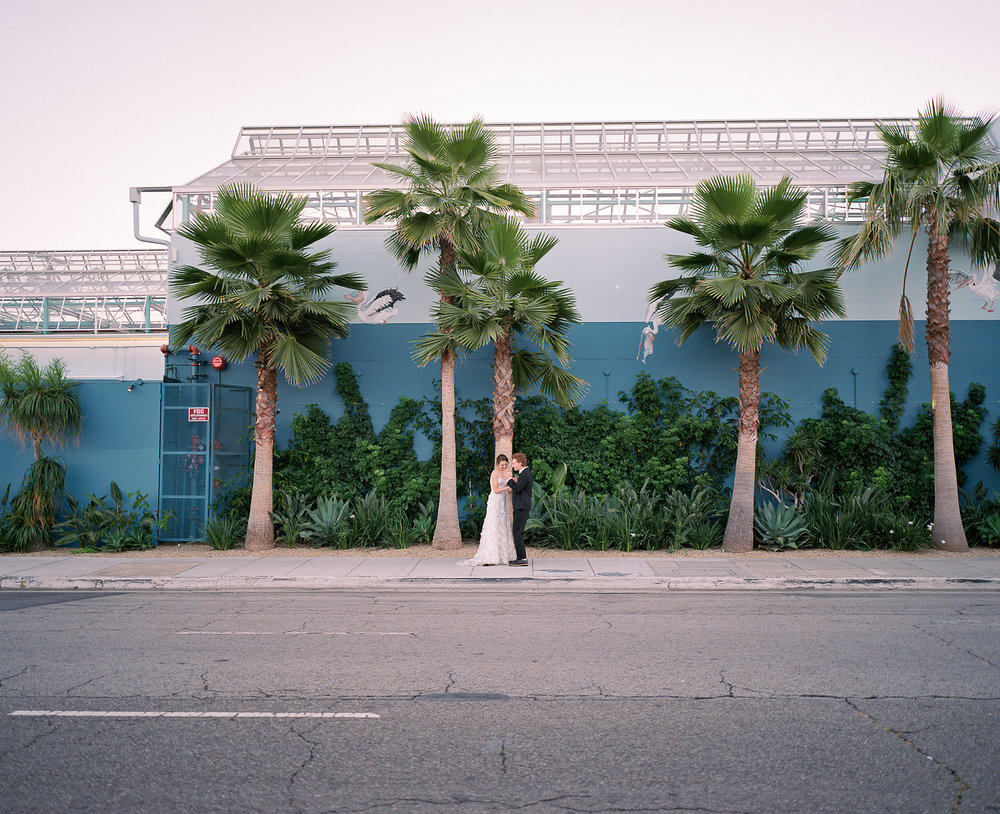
column 101, row 95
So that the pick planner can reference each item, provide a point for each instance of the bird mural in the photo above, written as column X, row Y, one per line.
column 376, row 309
column 652, row 327
column 985, row 286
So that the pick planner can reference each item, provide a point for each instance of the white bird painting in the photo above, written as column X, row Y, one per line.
column 376, row 309
column 986, row 286
column 653, row 323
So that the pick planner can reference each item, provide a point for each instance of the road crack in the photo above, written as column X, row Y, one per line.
column 306, row 762
column 726, row 683
column 949, row 643
column 15, row 675
column 960, row 785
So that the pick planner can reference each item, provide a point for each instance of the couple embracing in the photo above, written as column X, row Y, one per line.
column 500, row 543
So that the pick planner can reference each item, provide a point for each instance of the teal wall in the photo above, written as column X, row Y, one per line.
column 604, row 355
column 119, row 441
column 120, row 435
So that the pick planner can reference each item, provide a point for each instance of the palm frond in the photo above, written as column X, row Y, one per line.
column 432, row 346
column 300, row 364
column 723, row 198
column 727, row 290
column 696, row 261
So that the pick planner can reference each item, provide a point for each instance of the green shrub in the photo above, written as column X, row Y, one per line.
column 847, row 449
column 423, row 523
column 704, row 533
column 828, row 523
column 989, row 529
column 29, row 522
column 400, row 531
column 686, row 515
column 127, row 523
column 475, row 514
column 628, row 520
column 977, row 507
column 778, row 526
column 670, row 437
column 290, row 517
column 223, row 533
column 327, row 524
column 372, row 522
column 864, row 520
column 565, row 519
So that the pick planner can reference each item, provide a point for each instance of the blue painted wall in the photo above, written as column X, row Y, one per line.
column 119, row 440
column 605, row 356
column 120, row 432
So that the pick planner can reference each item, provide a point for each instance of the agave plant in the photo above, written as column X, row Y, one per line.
column 778, row 526
column 327, row 524
column 989, row 529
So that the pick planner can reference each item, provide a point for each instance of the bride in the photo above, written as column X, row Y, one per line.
column 496, row 543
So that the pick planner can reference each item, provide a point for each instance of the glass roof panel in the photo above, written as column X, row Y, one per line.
column 628, row 167
column 339, row 156
column 665, row 155
column 523, row 169
column 26, row 274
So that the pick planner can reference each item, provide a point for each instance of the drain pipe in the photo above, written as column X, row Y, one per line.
column 135, row 196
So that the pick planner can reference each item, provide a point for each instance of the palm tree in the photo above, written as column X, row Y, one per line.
column 452, row 190
column 942, row 175
column 746, row 285
column 495, row 295
column 38, row 403
column 262, row 295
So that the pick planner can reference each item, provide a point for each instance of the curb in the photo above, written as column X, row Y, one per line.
column 576, row 584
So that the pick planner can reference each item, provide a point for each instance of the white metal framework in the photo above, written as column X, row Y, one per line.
column 628, row 173
column 122, row 291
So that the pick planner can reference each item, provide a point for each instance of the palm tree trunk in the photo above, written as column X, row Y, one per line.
column 260, row 526
column 504, row 399
column 36, row 444
column 447, row 531
column 947, row 532
column 738, row 538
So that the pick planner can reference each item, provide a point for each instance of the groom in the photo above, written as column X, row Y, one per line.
column 520, row 486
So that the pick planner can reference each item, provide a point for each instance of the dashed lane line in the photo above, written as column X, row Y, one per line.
column 90, row 713
column 290, row 633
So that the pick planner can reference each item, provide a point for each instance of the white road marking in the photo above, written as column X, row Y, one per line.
column 288, row 633
column 88, row 713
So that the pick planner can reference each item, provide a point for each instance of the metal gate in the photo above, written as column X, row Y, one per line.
column 205, row 438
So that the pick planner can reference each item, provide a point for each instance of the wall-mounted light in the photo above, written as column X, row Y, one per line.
column 135, row 384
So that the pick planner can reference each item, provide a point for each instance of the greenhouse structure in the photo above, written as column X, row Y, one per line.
column 603, row 189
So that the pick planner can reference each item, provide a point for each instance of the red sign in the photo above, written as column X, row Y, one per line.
column 218, row 363
column 197, row 413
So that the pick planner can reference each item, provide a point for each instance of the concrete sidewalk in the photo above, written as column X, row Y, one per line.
column 573, row 573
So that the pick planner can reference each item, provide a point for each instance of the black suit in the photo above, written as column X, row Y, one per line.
column 521, row 500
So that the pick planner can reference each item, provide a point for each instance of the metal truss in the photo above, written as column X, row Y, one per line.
column 577, row 173
column 95, row 291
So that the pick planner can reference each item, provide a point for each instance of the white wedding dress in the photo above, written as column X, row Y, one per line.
column 496, row 543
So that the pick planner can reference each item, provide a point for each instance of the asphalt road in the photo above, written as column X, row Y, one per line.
column 490, row 701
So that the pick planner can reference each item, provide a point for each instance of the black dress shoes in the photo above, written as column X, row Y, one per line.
column 518, row 562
